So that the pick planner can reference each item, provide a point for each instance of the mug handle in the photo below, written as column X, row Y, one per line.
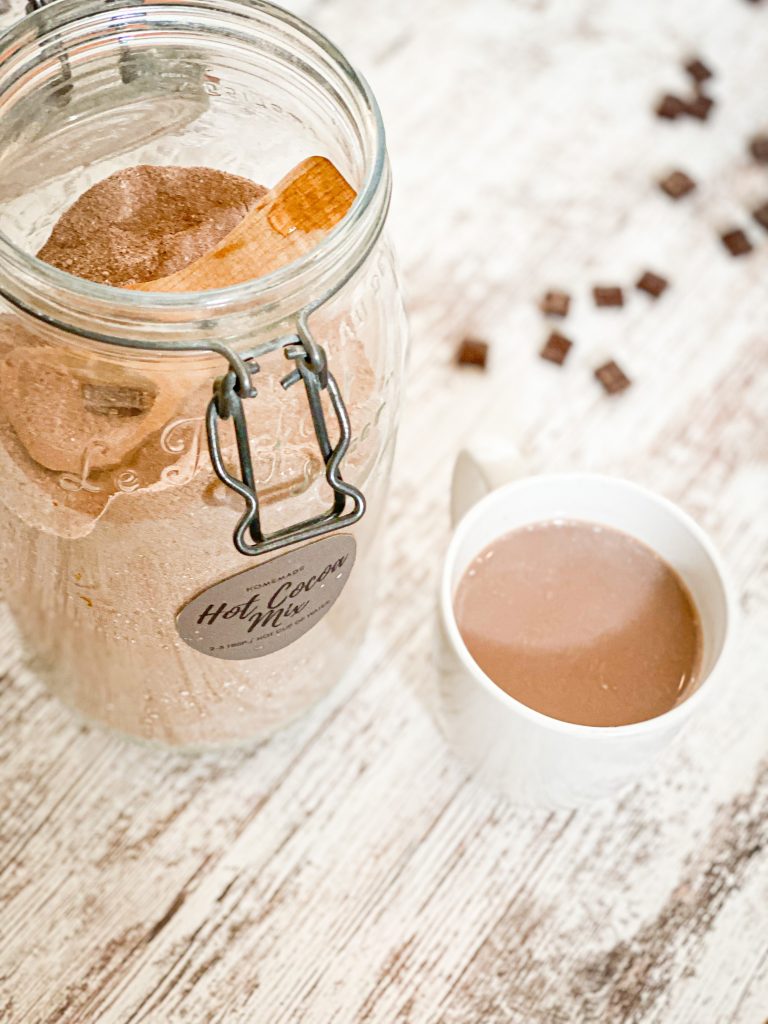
column 487, row 462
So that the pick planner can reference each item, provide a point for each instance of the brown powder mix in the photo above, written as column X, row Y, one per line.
column 144, row 222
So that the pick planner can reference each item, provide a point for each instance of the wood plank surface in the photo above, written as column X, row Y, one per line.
column 347, row 872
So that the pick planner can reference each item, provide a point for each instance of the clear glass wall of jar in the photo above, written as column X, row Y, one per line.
column 103, row 544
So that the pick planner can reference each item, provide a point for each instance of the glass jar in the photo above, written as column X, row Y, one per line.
column 113, row 520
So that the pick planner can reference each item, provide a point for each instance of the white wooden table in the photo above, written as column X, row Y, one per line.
column 347, row 872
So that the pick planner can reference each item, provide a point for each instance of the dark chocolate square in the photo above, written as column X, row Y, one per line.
column 699, row 107
column 472, row 352
column 677, row 184
column 556, row 348
column 555, row 303
column 612, row 377
column 698, row 70
column 736, row 242
column 652, row 283
column 758, row 147
column 761, row 215
column 608, row 295
column 115, row 400
column 670, row 107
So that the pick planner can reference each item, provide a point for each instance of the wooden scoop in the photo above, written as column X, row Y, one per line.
column 288, row 222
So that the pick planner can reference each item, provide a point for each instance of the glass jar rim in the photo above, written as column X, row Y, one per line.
column 350, row 230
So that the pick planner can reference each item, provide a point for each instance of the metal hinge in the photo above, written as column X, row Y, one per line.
column 311, row 368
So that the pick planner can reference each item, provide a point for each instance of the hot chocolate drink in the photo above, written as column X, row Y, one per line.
column 581, row 622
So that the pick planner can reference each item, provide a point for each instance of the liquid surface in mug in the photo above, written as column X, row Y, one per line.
column 581, row 622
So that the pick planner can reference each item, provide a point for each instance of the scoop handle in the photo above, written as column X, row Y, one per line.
column 486, row 462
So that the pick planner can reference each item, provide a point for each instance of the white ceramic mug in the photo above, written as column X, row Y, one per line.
column 531, row 757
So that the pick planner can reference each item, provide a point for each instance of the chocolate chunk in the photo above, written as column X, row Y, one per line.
column 698, row 70
column 472, row 352
column 652, row 283
column 670, row 107
column 612, row 377
column 608, row 296
column 758, row 147
column 699, row 107
column 113, row 400
column 677, row 184
column 761, row 215
column 736, row 242
column 556, row 348
column 555, row 303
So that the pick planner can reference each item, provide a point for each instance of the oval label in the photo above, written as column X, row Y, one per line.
column 270, row 606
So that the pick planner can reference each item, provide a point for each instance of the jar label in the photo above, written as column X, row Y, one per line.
column 268, row 607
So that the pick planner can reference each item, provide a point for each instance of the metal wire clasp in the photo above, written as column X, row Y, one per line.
column 229, row 391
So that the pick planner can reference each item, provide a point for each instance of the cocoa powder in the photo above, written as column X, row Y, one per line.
column 145, row 222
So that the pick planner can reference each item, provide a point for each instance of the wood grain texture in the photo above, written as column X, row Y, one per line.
column 347, row 872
